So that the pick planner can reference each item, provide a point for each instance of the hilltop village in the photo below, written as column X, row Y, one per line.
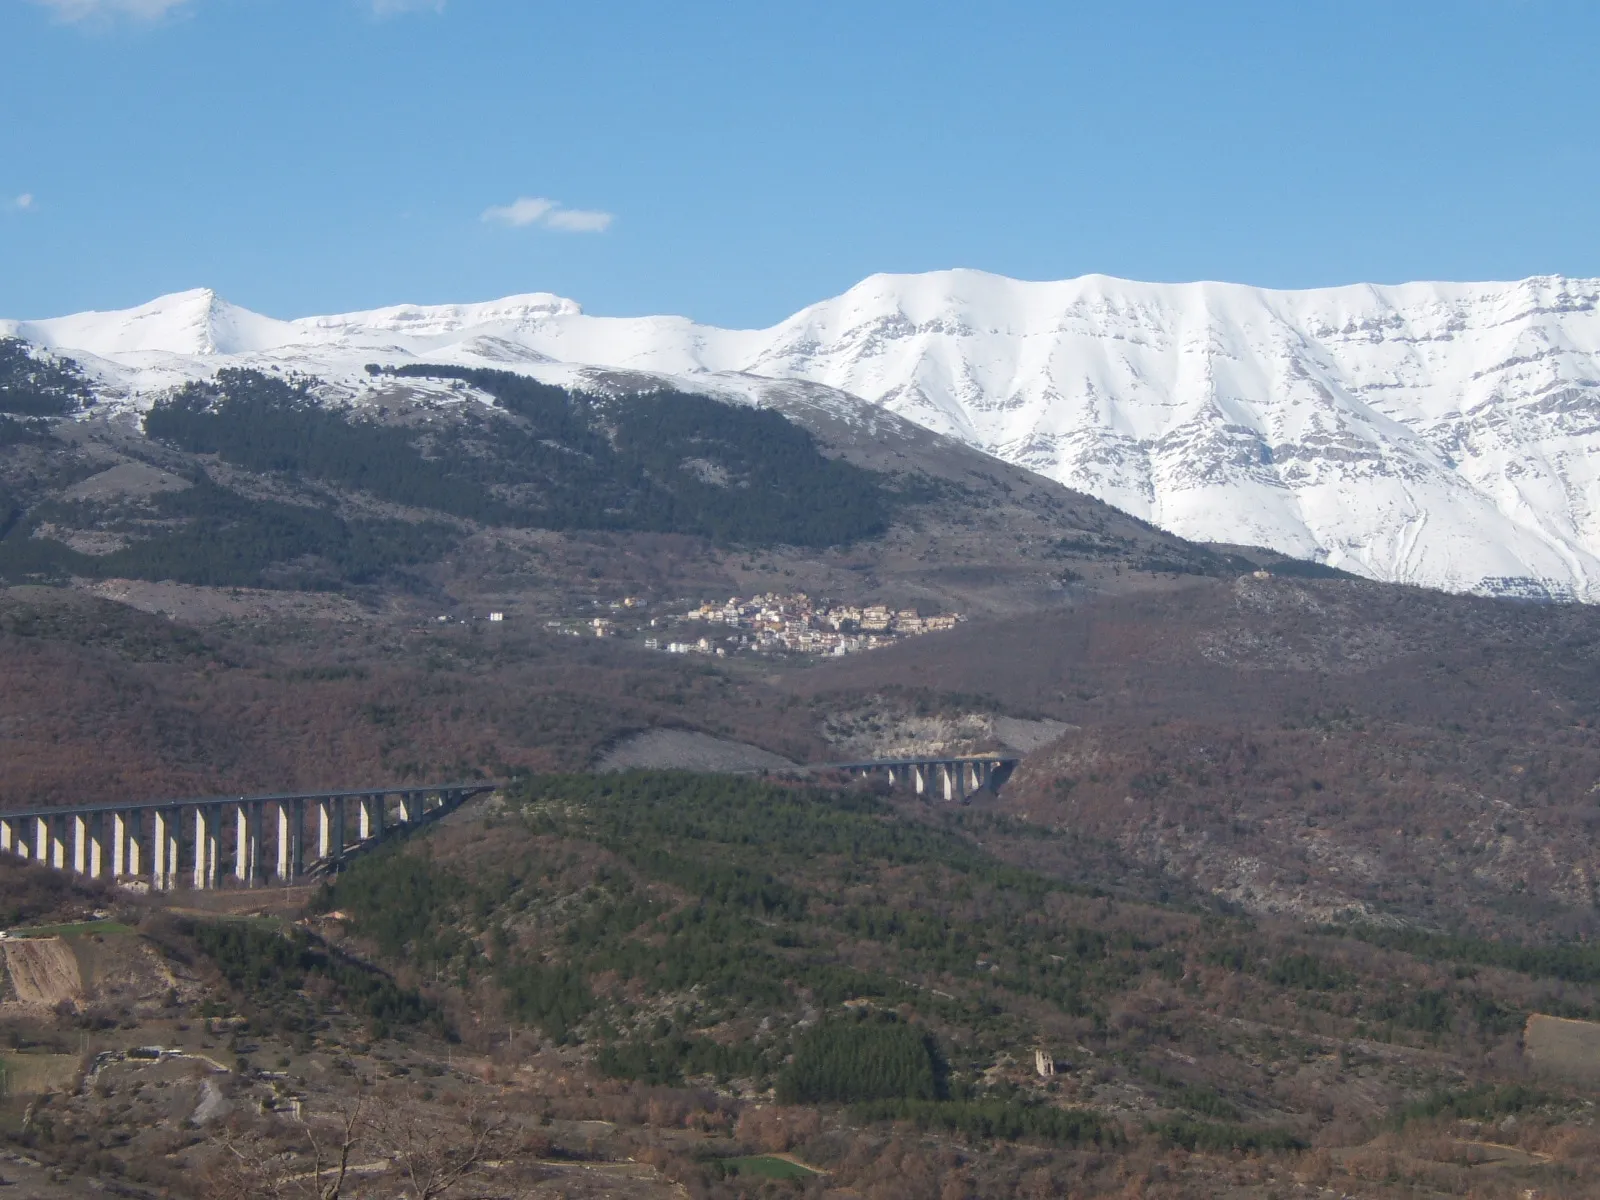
column 772, row 623
column 764, row 624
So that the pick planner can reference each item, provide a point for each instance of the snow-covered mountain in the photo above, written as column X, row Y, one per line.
column 1432, row 433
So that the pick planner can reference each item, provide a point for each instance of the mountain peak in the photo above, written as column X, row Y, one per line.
column 1433, row 433
column 193, row 322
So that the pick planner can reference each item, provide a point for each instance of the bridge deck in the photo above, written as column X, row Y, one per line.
column 55, row 810
column 931, row 760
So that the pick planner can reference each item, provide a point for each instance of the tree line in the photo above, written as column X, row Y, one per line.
column 32, row 385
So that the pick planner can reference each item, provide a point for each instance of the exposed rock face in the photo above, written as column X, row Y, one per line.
column 1433, row 433
column 43, row 972
column 888, row 727
column 1439, row 434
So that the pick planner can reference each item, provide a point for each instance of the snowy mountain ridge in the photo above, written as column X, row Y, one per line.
column 1444, row 434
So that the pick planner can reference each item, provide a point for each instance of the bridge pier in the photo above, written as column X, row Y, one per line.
column 258, row 843
column 95, row 841
column 330, row 828
column 162, row 863
column 135, row 831
column 172, row 847
column 124, row 845
column 207, row 843
column 954, row 777
column 247, row 842
column 371, row 817
column 214, row 845
column 49, row 846
column 297, row 866
column 197, row 855
column 291, row 839
column 88, row 845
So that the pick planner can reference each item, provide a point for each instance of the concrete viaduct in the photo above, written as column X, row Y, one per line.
column 954, row 778
column 168, row 842
column 145, row 839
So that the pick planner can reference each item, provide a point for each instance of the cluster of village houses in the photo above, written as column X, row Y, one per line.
column 794, row 624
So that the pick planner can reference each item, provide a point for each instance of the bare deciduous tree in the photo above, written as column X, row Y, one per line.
column 318, row 1168
column 437, row 1151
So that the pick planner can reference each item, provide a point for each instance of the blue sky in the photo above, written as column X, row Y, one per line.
column 736, row 161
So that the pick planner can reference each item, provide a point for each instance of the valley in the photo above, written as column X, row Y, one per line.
column 656, row 983
column 1290, row 893
column 771, row 602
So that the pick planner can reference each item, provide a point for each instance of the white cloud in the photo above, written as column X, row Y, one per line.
column 523, row 211
column 579, row 220
column 87, row 10
column 23, row 202
column 536, row 210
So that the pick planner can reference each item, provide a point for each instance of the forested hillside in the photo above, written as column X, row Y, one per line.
column 845, row 950
column 658, row 983
column 658, row 461
column 33, row 384
column 291, row 492
column 213, row 536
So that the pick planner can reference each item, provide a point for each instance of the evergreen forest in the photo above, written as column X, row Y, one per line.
column 36, row 385
column 213, row 536
column 657, row 461
column 542, row 457
column 846, row 950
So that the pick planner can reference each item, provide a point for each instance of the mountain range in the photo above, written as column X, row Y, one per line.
column 1439, row 434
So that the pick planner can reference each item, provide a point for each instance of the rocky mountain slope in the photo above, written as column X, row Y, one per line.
column 1339, row 750
column 1429, row 433
column 490, row 489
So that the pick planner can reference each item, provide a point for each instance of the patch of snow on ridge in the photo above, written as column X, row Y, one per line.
column 442, row 319
column 1444, row 434
column 197, row 322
